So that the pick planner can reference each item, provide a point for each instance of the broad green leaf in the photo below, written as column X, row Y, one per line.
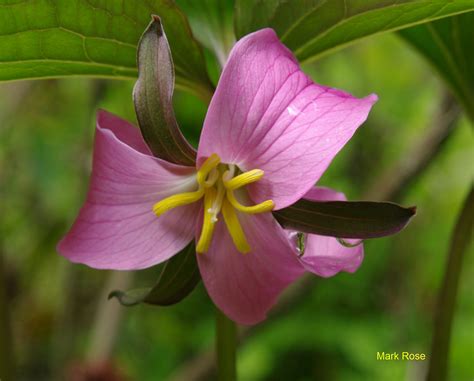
column 448, row 44
column 177, row 280
column 153, row 98
column 55, row 38
column 212, row 24
column 344, row 219
column 311, row 28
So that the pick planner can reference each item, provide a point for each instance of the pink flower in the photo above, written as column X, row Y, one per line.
column 269, row 135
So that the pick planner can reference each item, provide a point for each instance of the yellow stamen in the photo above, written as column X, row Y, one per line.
column 210, row 163
column 207, row 225
column 244, row 179
column 212, row 178
column 177, row 200
column 263, row 207
column 215, row 209
column 234, row 227
column 217, row 186
column 186, row 198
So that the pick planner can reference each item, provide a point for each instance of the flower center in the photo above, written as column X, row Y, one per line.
column 218, row 184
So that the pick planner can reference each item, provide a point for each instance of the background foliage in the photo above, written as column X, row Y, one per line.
column 335, row 330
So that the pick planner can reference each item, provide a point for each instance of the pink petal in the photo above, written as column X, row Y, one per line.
column 245, row 286
column 123, row 130
column 267, row 114
column 116, row 228
column 325, row 256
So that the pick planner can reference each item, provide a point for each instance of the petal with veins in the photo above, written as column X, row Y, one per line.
column 325, row 256
column 245, row 286
column 267, row 114
column 116, row 228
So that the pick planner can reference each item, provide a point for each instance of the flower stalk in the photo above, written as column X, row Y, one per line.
column 462, row 235
column 226, row 345
column 6, row 357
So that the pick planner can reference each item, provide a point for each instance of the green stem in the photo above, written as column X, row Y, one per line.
column 6, row 356
column 226, row 344
column 438, row 367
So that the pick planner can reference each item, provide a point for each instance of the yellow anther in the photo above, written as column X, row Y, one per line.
column 217, row 186
column 212, row 178
column 189, row 197
column 263, row 207
column 244, row 179
column 215, row 209
column 176, row 200
column 234, row 227
column 210, row 163
column 208, row 224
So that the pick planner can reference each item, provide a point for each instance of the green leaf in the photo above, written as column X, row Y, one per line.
column 153, row 98
column 211, row 22
column 344, row 219
column 448, row 45
column 311, row 28
column 177, row 280
column 55, row 38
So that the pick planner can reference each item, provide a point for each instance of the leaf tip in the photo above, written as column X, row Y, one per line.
column 127, row 299
column 115, row 294
column 156, row 24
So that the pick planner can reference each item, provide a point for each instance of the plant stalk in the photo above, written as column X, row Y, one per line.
column 462, row 235
column 6, row 355
column 226, row 345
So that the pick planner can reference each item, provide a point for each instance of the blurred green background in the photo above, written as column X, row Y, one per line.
column 328, row 329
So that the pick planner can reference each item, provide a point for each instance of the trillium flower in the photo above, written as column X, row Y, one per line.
column 269, row 135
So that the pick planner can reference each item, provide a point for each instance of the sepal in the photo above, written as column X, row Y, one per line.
column 152, row 96
column 177, row 280
column 345, row 219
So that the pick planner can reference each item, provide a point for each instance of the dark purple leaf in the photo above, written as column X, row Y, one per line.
column 343, row 219
column 153, row 95
column 177, row 280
